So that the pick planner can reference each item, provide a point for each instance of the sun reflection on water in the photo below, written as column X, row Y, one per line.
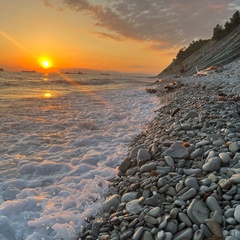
column 47, row 94
column 45, row 77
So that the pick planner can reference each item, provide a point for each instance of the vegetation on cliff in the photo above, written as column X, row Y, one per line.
column 187, row 51
column 219, row 32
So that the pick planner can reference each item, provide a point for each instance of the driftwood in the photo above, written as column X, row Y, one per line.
column 207, row 70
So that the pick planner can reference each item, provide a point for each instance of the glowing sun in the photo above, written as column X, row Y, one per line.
column 45, row 63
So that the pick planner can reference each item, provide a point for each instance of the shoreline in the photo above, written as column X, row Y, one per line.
column 186, row 160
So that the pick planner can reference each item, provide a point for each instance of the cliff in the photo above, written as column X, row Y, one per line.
column 212, row 53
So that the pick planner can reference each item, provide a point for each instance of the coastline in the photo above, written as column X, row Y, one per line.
column 185, row 161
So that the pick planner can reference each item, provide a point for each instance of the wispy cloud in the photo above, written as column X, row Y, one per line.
column 164, row 23
column 110, row 36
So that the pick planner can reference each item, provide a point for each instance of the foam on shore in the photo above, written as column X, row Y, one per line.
column 57, row 155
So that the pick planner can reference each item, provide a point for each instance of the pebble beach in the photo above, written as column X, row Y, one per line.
column 180, row 179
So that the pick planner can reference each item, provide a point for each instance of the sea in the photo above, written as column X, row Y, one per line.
column 62, row 137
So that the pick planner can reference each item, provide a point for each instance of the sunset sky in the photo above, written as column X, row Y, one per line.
column 122, row 35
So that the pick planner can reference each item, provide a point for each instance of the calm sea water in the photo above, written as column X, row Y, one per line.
column 61, row 139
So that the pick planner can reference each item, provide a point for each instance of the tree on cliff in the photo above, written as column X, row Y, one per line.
column 220, row 32
column 187, row 51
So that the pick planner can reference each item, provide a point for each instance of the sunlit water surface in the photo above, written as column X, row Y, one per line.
column 61, row 139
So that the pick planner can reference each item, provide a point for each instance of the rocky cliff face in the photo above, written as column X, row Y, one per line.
column 213, row 53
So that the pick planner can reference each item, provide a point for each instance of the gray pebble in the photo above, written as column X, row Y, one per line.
column 189, row 194
column 214, row 227
column 198, row 235
column 112, row 201
column 154, row 212
column 148, row 167
column 185, row 234
column 234, row 147
column 138, row 233
column 176, row 151
column 225, row 158
column 143, row 156
column 213, row 205
column 150, row 220
column 127, row 197
column 198, row 212
column 147, row 236
column 237, row 213
column 184, row 218
column 134, row 207
column 212, row 164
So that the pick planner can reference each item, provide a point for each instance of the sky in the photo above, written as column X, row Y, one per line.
column 122, row 35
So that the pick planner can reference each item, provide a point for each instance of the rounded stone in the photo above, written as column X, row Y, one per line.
column 168, row 236
column 229, row 213
column 186, row 126
column 176, row 151
column 147, row 236
column 125, row 164
column 135, row 150
column 184, row 218
column 230, row 238
column 237, row 234
column 127, row 234
column 235, row 178
column 143, row 156
column 231, row 221
column 237, row 213
column 212, row 164
column 225, row 158
column 127, row 197
column 214, row 227
column 225, row 184
column 171, row 227
column 196, row 153
column 174, row 213
column 217, row 217
column 234, row 147
column 198, row 235
column 162, row 182
column 219, row 142
column 138, row 233
column 189, row 194
column 185, row 234
column 95, row 229
column 154, row 212
column 213, row 205
column 134, row 207
column 150, row 220
column 198, row 212
column 192, row 182
column 148, row 167
column 191, row 114
column 169, row 161
column 160, row 235
column 192, row 171
column 112, row 201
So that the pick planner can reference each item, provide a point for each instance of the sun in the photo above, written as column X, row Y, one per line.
column 45, row 63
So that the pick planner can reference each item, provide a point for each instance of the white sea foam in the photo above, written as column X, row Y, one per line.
column 57, row 156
